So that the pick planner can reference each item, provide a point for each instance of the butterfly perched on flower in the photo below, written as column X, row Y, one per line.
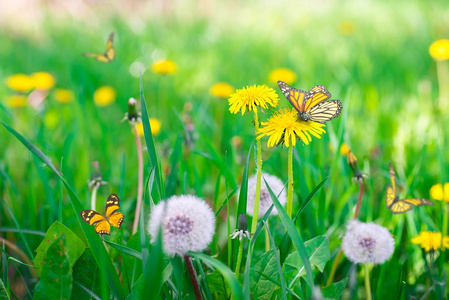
column 312, row 105
column 399, row 206
column 101, row 222
column 109, row 55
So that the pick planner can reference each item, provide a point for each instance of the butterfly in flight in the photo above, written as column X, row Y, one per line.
column 312, row 105
column 109, row 55
column 399, row 206
column 101, row 222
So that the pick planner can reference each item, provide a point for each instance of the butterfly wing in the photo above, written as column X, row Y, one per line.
column 325, row 111
column 101, row 223
column 391, row 196
column 417, row 201
column 392, row 177
column 99, row 57
column 103, row 227
column 400, row 207
column 316, row 95
column 112, row 205
column 294, row 96
column 110, row 50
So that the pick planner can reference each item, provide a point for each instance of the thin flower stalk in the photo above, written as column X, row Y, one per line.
column 259, row 176
column 93, row 199
column 359, row 202
column 290, row 182
column 140, row 179
column 367, row 282
column 192, row 274
column 239, row 260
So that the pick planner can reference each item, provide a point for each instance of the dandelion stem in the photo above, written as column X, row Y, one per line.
column 367, row 283
column 259, row 176
column 140, row 179
column 196, row 286
column 330, row 279
column 290, row 182
column 93, row 199
column 267, row 238
column 359, row 202
column 239, row 260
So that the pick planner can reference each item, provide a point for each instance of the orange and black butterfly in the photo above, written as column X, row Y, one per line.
column 399, row 206
column 109, row 55
column 312, row 105
column 101, row 222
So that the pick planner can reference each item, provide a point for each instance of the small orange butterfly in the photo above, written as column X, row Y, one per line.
column 109, row 55
column 101, row 222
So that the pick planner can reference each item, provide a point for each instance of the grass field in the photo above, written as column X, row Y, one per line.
column 373, row 56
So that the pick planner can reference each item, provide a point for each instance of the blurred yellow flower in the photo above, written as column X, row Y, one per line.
column 164, row 67
column 20, row 82
column 438, row 192
column 431, row 241
column 16, row 101
column 104, row 96
column 250, row 97
column 63, row 95
column 222, row 90
column 155, row 125
column 347, row 27
column 51, row 118
column 439, row 50
column 344, row 149
column 282, row 74
column 43, row 80
column 284, row 127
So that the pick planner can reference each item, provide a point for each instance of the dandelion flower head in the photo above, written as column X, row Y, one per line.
column 250, row 98
column 265, row 201
column 282, row 74
column 20, row 82
column 284, row 127
column 43, row 80
column 440, row 192
column 104, row 96
column 439, row 49
column 155, row 125
column 164, row 66
column 431, row 241
column 63, row 95
column 222, row 90
column 15, row 101
column 345, row 149
column 367, row 243
column 187, row 224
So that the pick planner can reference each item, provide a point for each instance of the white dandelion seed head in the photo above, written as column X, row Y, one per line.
column 367, row 243
column 188, row 224
column 265, row 201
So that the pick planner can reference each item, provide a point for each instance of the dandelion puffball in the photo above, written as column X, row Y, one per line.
column 367, row 243
column 265, row 201
column 188, row 224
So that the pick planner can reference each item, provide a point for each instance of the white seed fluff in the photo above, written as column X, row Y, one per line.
column 188, row 224
column 265, row 201
column 367, row 243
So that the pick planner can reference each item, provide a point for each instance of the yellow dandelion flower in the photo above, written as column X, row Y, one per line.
column 63, row 95
column 222, row 90
column 43, row 80
column 439, row 50
column 344, row 149
column 438, row 192
column 155, row 127
column 20, row 82
column 347, row 27
column 431, row 241
column 16, row 101
column 250, row 97
column 104, row 96
column 164, row 67
column 282, row 74
column 285, row 127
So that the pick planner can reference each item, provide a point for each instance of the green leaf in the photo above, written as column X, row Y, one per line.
column 3, row 292
column 75, row 246
column 334, row 290
column 86, row 273
column 125, row 250
column 136, row 291
column 218, row 284
column 318, row 253
column 260, row 286
column 56, row 280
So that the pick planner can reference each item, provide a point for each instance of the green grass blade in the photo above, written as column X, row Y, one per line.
column 125, row 249
column 278, row 262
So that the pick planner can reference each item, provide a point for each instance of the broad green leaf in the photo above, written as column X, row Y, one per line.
column 86, row 273
column 334, row 290
column 218, row 285
column 262, row 288
column 56, row 279
column 318, row 252
column 3, row 293
column 75, row 246
column 136, row 291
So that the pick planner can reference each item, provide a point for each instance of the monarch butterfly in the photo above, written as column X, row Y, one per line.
column 103, row 222
column 312, row 105
column 399, row 206
column 109, row 55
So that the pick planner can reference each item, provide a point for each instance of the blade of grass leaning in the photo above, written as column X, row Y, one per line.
column 150, row 143
column 286, row 242
column 100, row 254
column 224, row 270
column 278, row 262
column 171, row 181
column 225, row 201
column 277, row 283
column 294, row 234
column 125, row 249
column 203, row 280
